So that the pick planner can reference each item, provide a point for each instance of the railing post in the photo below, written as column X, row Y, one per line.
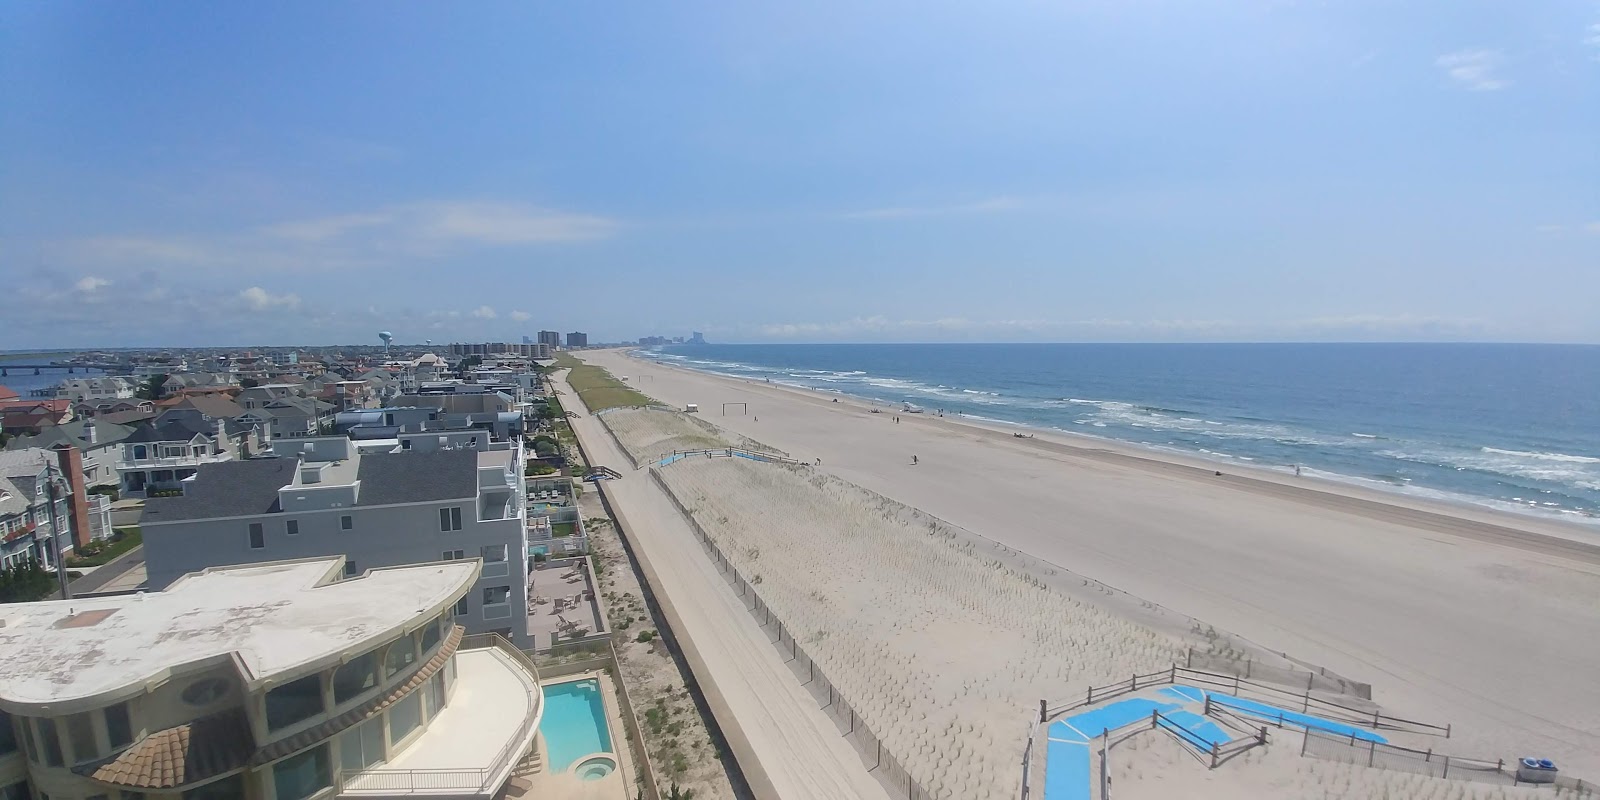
column 1041, row 711
column 1372, row 752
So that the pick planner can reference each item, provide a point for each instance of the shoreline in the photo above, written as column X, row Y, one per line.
column 1316, row 489
column 1578, row 519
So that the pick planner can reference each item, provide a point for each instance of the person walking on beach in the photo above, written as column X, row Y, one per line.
column 1297, row 470
column 913, row 460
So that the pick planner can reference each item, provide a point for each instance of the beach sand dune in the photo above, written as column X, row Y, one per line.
column 1487, row 621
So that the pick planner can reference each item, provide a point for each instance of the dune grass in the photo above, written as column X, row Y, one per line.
column 599, row 389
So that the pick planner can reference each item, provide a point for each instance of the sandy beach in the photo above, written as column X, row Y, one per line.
column 1487, row 621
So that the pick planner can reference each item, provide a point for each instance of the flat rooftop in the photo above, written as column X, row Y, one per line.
column 275, row 617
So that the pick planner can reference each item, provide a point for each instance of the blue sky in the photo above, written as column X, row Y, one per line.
column 179, row 173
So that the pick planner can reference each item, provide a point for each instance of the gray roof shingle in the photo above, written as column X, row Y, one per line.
column 388, row 478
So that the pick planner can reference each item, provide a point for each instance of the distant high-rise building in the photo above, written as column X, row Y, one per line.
column 577, row 339
column 526, row 339
column 697, row 338
column 551, row 338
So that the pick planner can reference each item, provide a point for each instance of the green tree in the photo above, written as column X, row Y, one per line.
column 151, row 390
column 248, row 383
column 25, row 582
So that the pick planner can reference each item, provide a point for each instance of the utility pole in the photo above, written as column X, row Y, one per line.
column 52, row 481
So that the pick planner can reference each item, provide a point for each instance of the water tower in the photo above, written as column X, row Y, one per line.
column 387, row 337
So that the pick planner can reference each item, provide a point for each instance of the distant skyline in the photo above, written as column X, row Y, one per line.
column 1266, row 170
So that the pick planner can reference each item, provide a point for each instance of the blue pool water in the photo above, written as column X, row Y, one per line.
column 574, row 723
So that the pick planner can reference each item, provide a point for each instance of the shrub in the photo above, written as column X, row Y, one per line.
column 645, row 637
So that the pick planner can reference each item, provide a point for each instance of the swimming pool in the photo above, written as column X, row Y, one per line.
column 574, row 723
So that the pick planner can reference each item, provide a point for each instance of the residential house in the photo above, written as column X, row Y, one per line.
column 258, row 396
column 99, row 441
column 158, row 456
column 191, row 381
column 92, row 391
column 407, row 504
column 298, row 680
column 291, row 417
column 21, row 416
column 25, row 514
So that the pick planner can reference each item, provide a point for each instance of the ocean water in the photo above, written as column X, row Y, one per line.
column 1510, row 426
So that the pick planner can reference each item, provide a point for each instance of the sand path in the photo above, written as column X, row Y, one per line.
column 786, row 747
column 1484, row 620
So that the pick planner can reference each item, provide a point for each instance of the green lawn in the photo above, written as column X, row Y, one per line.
column 130, row 538
column 563, row 528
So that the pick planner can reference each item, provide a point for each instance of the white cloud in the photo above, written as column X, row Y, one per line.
column 484, row 312
column 520, row 316
column 1474, row 68
column 490, row 223
column 325, row 228
column 258, row 299
column 991, row 205
column 1592, row 38
column 90, row 283
column 1593, row 227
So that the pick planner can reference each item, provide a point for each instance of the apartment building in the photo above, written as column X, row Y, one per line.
column 283, row 681
column 410, row 500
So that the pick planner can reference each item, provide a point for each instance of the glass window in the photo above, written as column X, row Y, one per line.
column 461, row 607
column 430, row 637
column 496, row 594
column 292, row 527
column 404, row 717
column 454, row 555
column 493, row 552
column 230, row 788
column 299, row 777
column 27, row 740
column 80, row 730
column 435, row 694
column 347, row 522
column 361, row 746
column 355, row 678
column 16, row 791
column 118, row 727
column 50, row 742
column 294, row 701
column 402, row 654
column 349, row 568
column 450, row 519
column 8, row 736
column 258, row 537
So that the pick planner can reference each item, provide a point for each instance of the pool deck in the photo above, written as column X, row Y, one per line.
column 546, row 785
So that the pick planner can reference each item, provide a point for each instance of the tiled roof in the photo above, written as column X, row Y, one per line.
column 221, row 743
column 181, row 755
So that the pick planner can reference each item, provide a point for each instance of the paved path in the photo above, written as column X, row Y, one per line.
column 786, row 747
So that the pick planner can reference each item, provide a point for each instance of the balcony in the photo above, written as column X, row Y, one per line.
column 471, row 748
column 171, row 462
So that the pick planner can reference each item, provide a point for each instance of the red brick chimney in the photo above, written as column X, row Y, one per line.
column 71, row 463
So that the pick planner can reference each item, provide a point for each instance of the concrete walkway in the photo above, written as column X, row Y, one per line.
column 786, row 747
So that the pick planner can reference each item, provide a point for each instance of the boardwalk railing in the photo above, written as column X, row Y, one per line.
column 1241, row 687
column 878, row 759
column 719, row 452
column 1350, row 750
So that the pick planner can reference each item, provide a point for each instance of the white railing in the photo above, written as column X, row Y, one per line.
column 172, row 461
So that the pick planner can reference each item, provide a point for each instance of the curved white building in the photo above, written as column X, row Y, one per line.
column 279, row 681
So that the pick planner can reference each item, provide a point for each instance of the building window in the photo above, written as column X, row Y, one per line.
column 118, row 728
column 361, row 746
column 461, row 608
column 354, row 679
column 349, row 568
column 230, row 788
column 294, row 701
column 291, row 527
column 16, row 791
column 50, row 743
column 430, row 637
column 347, row 522
column 405, row 445
column 402, row 654
column 8, row 736
column 454, row 555
column 301, row 776
column 80, row 731
column 436, row 694
column 450, row 519
column 494, row 595
column 258, row 536
column 404, row 717
column 493, row 553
